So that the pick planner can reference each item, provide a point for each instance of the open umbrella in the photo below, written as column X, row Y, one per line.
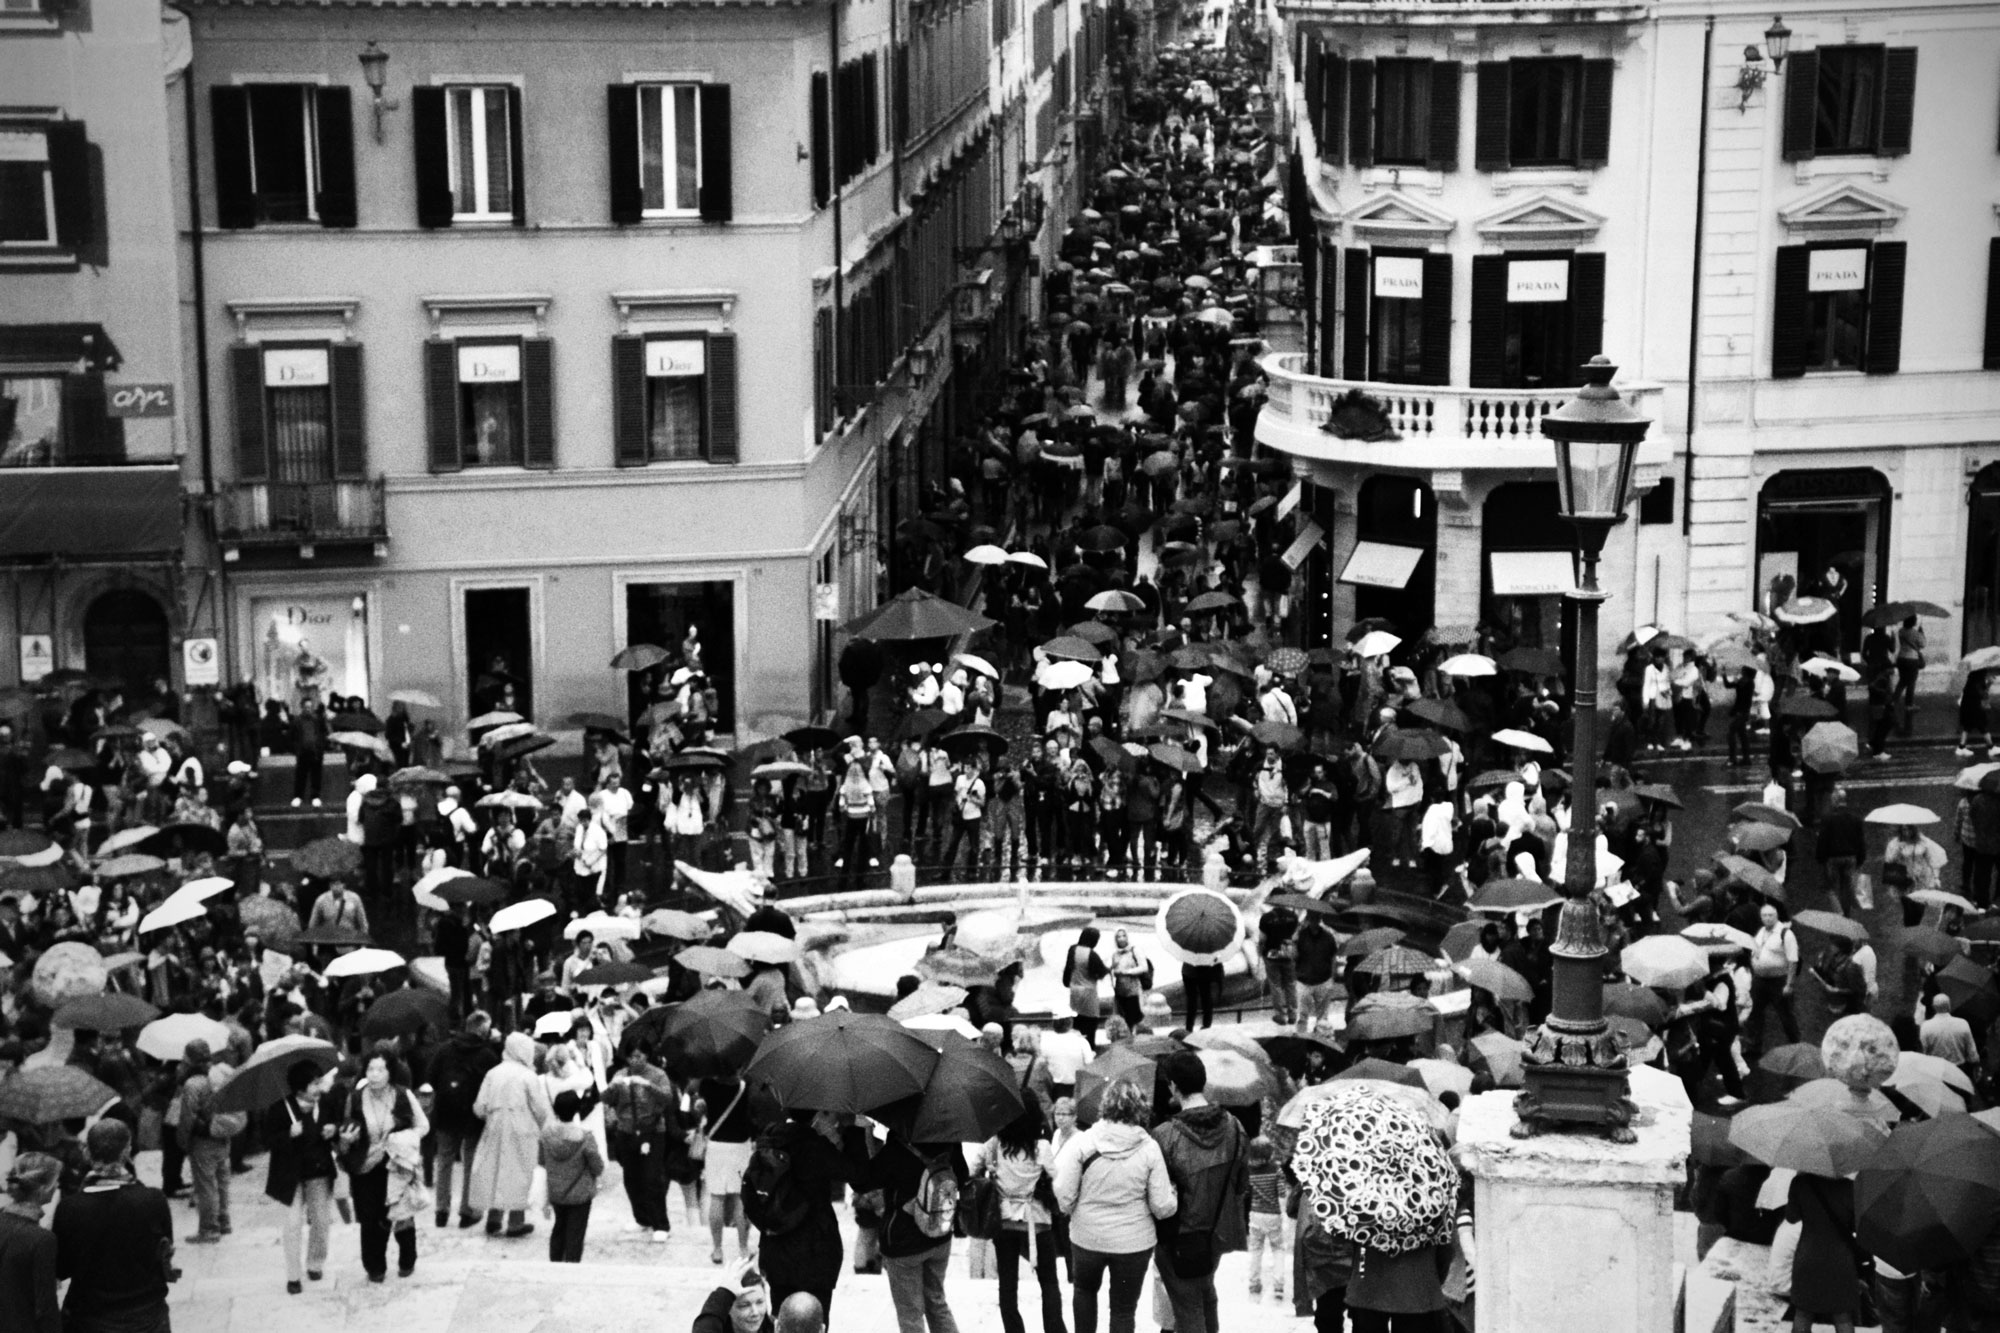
column 1366, row 942
column 1064, row 674
column 1411, row 746
column 1830, row 747
column 639, row 657
column 614, row 974
column 262, row 1081
column 1798, row 1059
column 1667, row 962
column 408, row 1010
column 915, row 614
column 1376, row 643
column 328, row 858
column 1752, row 837
column 971, row 1095
column 969, row 741
column 269, row 919
column 128, row 865
column 471, row 889
column 842, row 1062
column 1943, row 898
column 1441, row 713
column 1072, row 647
column 1756, row 877
column 1806, row 611
column 1831, row 923
column 1516, row 739
column 672, row 925
column 518, row 916
column 603, row 926
column 1373, row 1172
column 364, row 962
column 763, row 946
column 1830, row 667
column 1658, row 793
column 1500, row 1055
column 1532, row 661
column 167, row 1038
column 175, row 911
column 1507, row 896
column 1629, row 1001
column 1390, row 1022
column 125, row 840
column 1814, row 1140
column 1929, row 1195
column 715, row 1033
column 104, row 1013
column 1395, row 960
column 46, row 1094
column 1466, row 665
column 1499, row 979
column 1199, row 926
column 1716, row 935
column 1767, row 814
column 499, row 717
column 1931, row 945
column 1902, row 814
column 986, row 554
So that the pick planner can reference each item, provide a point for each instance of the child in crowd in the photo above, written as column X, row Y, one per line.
column 1268, row 1230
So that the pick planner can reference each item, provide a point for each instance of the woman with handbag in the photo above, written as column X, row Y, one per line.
column 300, row 1130
column 1112, row 1181
column 1018, row 1162
column 380, row 1107
column 1827, row 1266
column 1130, row 975
column 1082, row 970
column 726, row 1134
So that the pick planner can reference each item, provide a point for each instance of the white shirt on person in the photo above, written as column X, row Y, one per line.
column 613, row 809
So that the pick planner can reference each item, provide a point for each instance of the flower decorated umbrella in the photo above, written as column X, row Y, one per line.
column 273, row 921
column 1373, row 1173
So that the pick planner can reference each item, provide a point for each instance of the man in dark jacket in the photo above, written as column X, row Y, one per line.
column 1841, row 846
column 822, row 1150
column 914, row 1259
column 114, row 1243
column 642, row 1116
column 1208, row 1160
column 1317, row 952
column 456, row 1072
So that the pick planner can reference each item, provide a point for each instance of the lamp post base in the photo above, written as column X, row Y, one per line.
column 1564, row 1097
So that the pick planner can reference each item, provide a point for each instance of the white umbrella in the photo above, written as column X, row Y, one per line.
column 987, row 554
column 737, row 890
column 1516, row 739
column 1469, row 664
column 604, row 926
column 974, row 662
column 763, row 946
column 173, row 912
column 1376, row 643
column 425, row 889
column 167, row 1038
column 1902, row 814
column 1442, row 1076
column 942, row 1023
column 1028, row 558
column 1063, row 675
column 1667, row 961
column 201, row 890
column 362, row 962
column 1827, row 666
column 515, row 916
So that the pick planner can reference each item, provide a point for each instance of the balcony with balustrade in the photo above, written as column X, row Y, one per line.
column 1345, row 424
column 306, row 518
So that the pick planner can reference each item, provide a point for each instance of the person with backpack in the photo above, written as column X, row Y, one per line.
column 1112, row 1182
column 1208, row 1159
column 1020, row 1160
column 1774, row 967
column 788, row 1197
column 569, row 1155
column 457, row 1069
column 204, row 1135
column 920, row 1187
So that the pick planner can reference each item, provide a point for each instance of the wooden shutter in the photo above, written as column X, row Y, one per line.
column 1361, row 112
column 90, row 435
column 350, row 425
column 246, row 372
column 229, row 121
column 899, row 90
column 1447, row 79
column 718, row 203
column 1437, row 318
column 628, row 400
column 517, row 156
column 1489, row 321
column 430, row 136
column 1489, row 136
column 1313, row 77
column 538, row 402
column 1593, row 148
column 334, row 114
column 719, row 391
column 1991, row 361
column 1354, row 326
column 1801, row 106
column 1326, row 261
column 1586, row 308
column 871, row 105
column 1333, row 130
column 441, row 404
column 822, row 139
column 1899, row 99
column 1791, row 312
column 1886, row 261
column 628, row 198
column 823, row 334
column 69, row 178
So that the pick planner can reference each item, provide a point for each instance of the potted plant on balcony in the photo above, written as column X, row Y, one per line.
column 1356, row 415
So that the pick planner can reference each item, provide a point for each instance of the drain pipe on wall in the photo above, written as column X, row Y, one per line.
column 839, row 188
column 1694, row 287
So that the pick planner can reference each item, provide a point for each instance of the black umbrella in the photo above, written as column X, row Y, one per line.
column 182, row 839
column 917, row 725
column 812, row 738
column 407, row 1010
column 714, row 1033
column 104, row 1013
column 968, row 741
column 614, row 974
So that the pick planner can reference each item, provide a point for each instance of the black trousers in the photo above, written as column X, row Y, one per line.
column 566, row 1234
column 371, row 1209
column 645, row 1177
column 307, row 775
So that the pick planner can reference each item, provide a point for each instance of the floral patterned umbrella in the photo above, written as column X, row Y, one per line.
column 1373, row 1172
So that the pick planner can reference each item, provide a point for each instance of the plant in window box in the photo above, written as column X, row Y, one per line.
column 1359, row 416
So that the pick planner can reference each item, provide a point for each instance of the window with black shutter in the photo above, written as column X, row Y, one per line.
column 1531, row 312
column 628, row 400
column 349, row 407
column 718, row 171
column 45, row 187
column 674, row 398
column 1991, row 359
column 1887, row 262
column 1402, row 112
column 1354, row 324
column 246, row 373
column 91, row 436
column 284, row 153
column 823, row 354
column 1442, row 151
column 1543, row 112
column 441, row 405
column 1838, row 306
column 1361, row 112
column 311, row 410
column 1853, row 100
column 1489, row 322
column 1489, row 135
column 1332, row 128
column 821, row 115
column 1437, row 319
column 1586, row 309
column 538, row 402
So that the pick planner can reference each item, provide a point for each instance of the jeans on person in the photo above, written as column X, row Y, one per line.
column 371, row 1209
column 1839, row 872
column 1318, row 840
column 1896, row 1301
column 453, row 1149
column 1313, row 1003
column 1193, row 1298
column 1281, row 981
column 1005, row 840
column 916, row 1286
column 642, row 1158
column 310, row 1218
column 1009, row 1247
column 208, row 1163
column 964, row 832
column 1768, row 995
column 1128, row 1279
column 566, row 1232
column 308, row 775
column 1269, row 1233
column 1266, row 832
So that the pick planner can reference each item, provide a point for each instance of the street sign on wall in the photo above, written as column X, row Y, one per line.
column 201, row 662
column 38, row 657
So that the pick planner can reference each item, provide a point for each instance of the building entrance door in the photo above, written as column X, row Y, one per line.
column 125, row 638
column 500, row 650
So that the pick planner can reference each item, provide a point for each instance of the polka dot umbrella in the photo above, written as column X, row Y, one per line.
column 1372, row 1171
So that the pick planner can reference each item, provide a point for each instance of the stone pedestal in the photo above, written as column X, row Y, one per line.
column 1575, row 1234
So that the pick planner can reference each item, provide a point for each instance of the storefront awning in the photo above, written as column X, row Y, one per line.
column 1381, row 565
column 1533, row 573
column 89, row 512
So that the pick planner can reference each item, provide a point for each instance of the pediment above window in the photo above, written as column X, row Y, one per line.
column 1395, row 218
column 1544, row 219
column 1845, row 208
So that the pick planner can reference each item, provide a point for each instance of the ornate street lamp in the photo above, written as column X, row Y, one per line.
column 1575, row 1068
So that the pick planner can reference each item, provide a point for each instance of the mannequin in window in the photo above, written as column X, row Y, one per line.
column 309, row 673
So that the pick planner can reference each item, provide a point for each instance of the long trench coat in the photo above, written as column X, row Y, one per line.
column 515, row 1106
